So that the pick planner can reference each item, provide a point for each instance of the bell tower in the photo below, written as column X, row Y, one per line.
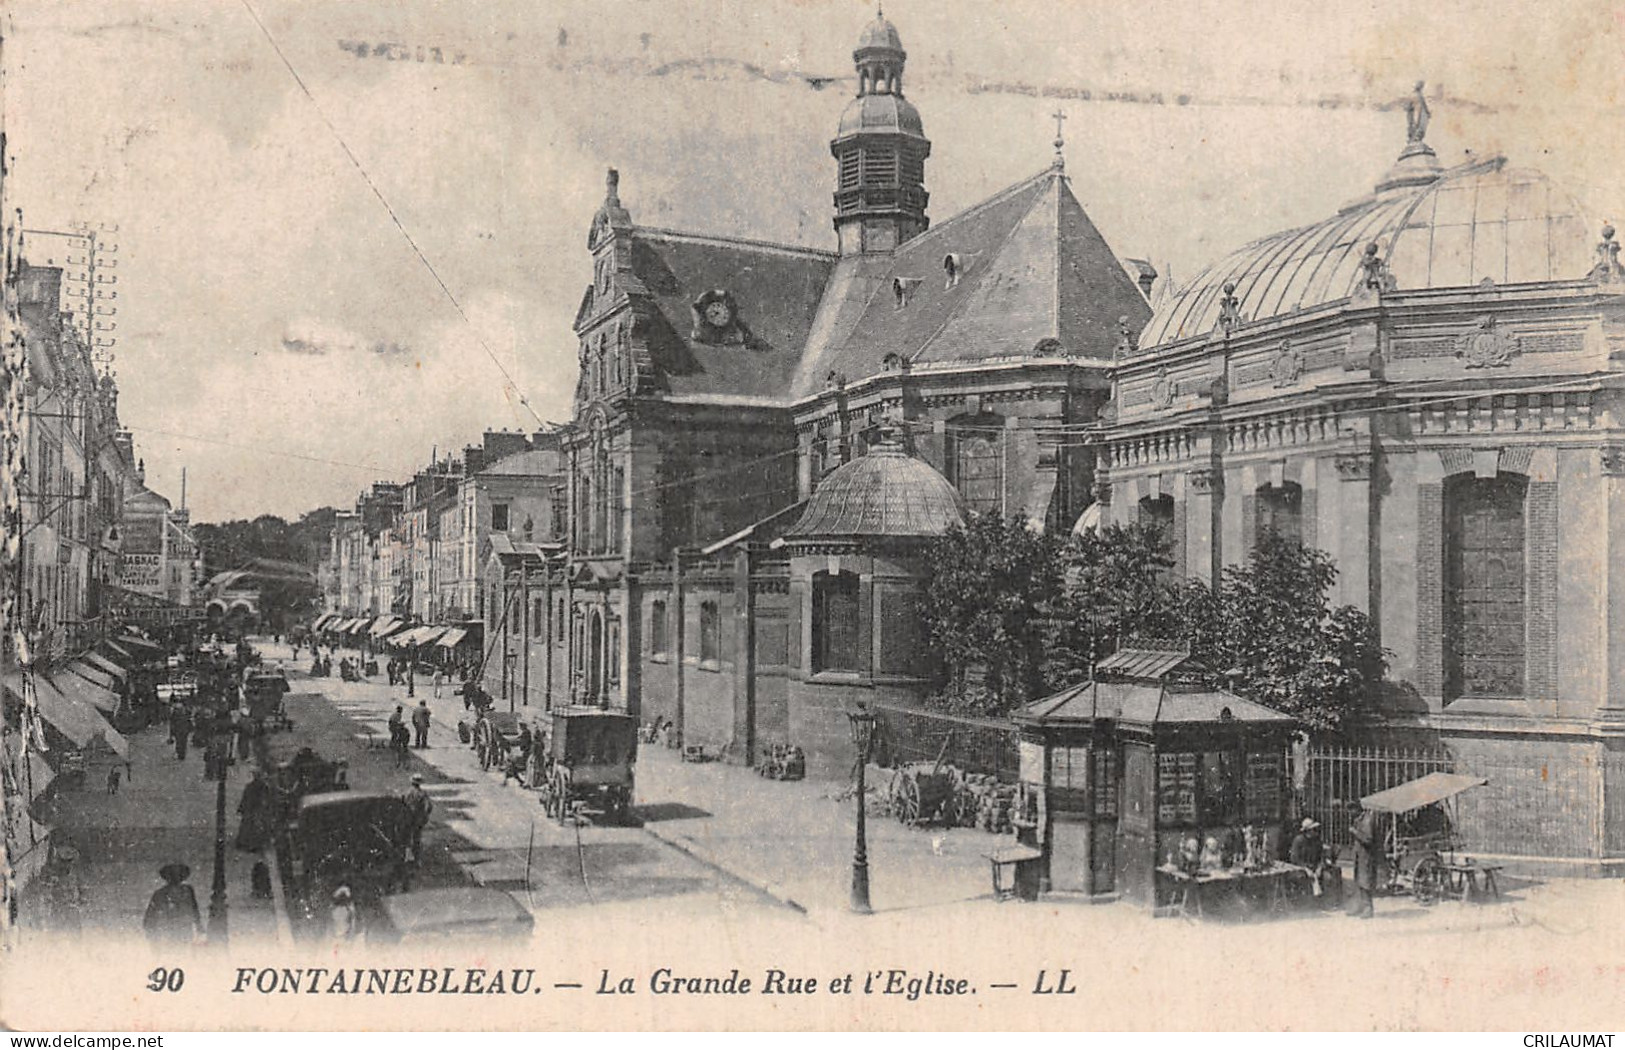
column 880, row 150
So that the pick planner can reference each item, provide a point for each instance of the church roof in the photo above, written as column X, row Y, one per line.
column 885, row 493
column 1435, row 229
column 1032, row 267
column 776, row 290
column 882, row 34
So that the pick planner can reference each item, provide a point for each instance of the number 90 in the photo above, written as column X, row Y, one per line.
column 164, row 979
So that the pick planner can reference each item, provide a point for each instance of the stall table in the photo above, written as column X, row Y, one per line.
column 1272, row 885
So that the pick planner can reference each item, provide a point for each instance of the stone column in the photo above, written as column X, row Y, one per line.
column 1610, row 723
column 1354, row 541
column 1204, row 489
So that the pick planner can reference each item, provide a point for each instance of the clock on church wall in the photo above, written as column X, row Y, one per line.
column 716, row 318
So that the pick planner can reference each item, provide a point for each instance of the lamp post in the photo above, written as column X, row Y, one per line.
column 220, row 746
column 863, row 735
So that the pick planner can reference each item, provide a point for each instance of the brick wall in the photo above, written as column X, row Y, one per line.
column 1541, row 603
column 1541, row 799
column 1430, row 589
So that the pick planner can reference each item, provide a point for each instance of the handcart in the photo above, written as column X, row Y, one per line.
column 1421, row 841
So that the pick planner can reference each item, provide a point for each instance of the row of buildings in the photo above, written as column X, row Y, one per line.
column 413, row 553
column 1427, row 384
column 89, row 549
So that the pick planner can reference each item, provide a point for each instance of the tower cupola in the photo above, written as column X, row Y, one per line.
column 880, row 150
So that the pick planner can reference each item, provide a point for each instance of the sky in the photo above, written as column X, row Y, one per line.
column 352, row 235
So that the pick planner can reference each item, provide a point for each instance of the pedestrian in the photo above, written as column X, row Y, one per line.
column 420, row 723
column 398, row 736
column 113, row 775
column 439, row 679
column 1368, row 860
column 1309, row 853
column 342, row 919
column 418, row 801
column 255, row 809
column 172, row 914
column 180, row 730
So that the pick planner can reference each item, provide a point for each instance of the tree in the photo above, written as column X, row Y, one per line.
column 993, row 583
column 1271, row 634
column 1116, row 586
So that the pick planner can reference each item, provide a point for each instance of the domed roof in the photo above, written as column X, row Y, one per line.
column 880, row 33
column 1446, row 230
column 885, row 493
column 880, row 114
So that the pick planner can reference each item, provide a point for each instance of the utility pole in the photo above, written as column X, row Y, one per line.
column 85, row 280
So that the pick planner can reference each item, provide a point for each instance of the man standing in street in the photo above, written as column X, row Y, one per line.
column 420, row 722
column 180, row 729
column 398, row 736
column 438, row 679
column 418, row 801
column 1367, row 834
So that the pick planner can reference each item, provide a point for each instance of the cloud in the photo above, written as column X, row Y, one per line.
column 314, row 338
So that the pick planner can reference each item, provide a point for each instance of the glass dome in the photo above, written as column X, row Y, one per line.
column 1477, row 221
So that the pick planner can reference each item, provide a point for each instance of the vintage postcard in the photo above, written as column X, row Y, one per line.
column 807, row 514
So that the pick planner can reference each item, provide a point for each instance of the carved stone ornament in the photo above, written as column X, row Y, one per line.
column 1608, row 269
column 1204, row 481
column 1162, row 390
column 1286, row 368
column 1613, row 461
column 1486, row 345
column 1229, row 309
column 1103, row 492
column 1354, row 466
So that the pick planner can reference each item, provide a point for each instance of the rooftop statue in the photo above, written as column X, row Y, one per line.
column 1416, row 115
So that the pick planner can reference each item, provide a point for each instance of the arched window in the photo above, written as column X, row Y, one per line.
column 1280, row 510
column 975, row 461
column 1485, row 585
column 710, row 633
column 835, row 623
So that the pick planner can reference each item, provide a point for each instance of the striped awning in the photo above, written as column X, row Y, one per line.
column 383, row 626
column 105, row 665
column 95, row 676
column 452, row 637
column 78, row 720
column 85, row 691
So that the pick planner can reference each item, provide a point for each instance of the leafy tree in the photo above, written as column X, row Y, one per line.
column 1271, row 634
column 1115, row 587
column 993, row 583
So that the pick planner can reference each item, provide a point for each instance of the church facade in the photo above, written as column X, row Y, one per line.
column 725, row 385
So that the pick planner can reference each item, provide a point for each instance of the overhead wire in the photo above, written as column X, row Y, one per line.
column 390, row 210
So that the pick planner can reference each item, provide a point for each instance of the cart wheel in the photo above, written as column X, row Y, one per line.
column 908, row 801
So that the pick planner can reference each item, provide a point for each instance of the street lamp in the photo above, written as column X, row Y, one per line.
column 220, row 745
column 863, row 736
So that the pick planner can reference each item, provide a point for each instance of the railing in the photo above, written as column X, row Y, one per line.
column 1329, row 782
column 975, row 745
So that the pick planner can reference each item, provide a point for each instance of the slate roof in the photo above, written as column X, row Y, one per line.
column 776, row 290
column 1034, row 268
column 539, row 462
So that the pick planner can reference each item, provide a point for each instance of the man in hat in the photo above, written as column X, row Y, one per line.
column 420, row 723
column 399, row 737
column 172, row 914
column 1367, row 832
column 418, row 801
column 1309, row 853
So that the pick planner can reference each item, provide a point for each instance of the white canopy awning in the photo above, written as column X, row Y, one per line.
column 452, row 637
column 77, row 720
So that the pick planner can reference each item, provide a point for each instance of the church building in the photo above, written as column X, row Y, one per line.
column 765, row 435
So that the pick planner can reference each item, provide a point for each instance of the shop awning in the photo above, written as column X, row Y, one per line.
column 1424, row 791
column 77, row 720
column 322, row 621
column 119, row 651
column 107, row 666
column 84, row 691
column 130, row 641
column 384, row 625
column 95, row 676
column 452, row 637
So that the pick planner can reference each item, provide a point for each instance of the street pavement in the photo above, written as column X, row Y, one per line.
column 164, row 811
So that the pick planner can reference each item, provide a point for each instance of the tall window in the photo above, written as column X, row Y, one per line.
column 499, row 517
column 710, row 633
column 976, row 462
column 558, row 618
column 658, row 643
column 1485, row 585
column 1280, row 510
column 537, row 612
column 835, row 623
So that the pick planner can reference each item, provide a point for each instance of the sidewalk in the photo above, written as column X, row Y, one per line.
column 164, row 811
column 795, row 838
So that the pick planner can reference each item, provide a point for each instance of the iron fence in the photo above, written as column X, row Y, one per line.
column 975, row 745
column 1329, row 782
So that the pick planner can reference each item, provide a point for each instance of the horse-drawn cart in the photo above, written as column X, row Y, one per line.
column 588, row 761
